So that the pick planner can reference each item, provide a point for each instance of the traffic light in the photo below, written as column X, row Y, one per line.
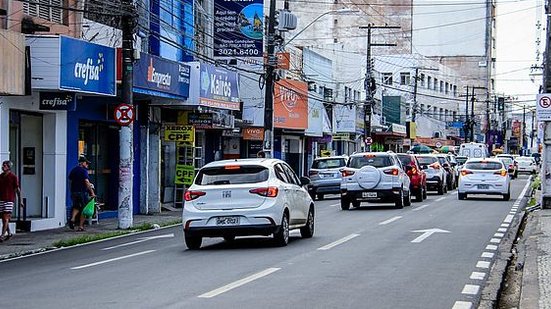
column 501, row 104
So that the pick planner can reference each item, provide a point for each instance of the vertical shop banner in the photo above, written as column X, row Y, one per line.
column 238, row 28
column 291, row 104
column 87, row 67
column 315, row 118
column 516, row 128
column 219, row 88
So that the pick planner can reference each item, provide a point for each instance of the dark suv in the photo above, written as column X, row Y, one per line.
column 417, row 177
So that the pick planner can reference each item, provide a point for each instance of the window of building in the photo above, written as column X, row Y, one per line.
column 422, row 79
column 387, row 78
column 46, row 9
column 346, row 95
column 405, row 78
column 441, row 89
column 429, row 82
column 447, row 88
column 435, row 86
column 455, row 90
column 335, row 21
column 422, row 111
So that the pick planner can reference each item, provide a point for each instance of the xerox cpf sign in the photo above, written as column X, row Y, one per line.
column 87, row 67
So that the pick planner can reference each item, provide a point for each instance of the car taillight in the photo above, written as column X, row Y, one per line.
column 435, row 165
column 266, row 191
column 510, row 165
column 414, row 171
column 392, row 171
column 346, row 173
column 313, row 173
column 191, row 195
column 465, row 172
column 501, row 172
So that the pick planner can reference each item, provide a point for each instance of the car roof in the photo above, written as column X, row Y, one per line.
column 331, row 157
column 496, row 160
column 361, row 154
column 267, row 162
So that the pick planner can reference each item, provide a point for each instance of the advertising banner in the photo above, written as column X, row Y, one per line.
column 238, row 28
column 87, row 67
column 60, row 101
column 211, row 120
column 184, row 174
column 179, row 133
column 344, row 118
column 219, row 88
column 253, row 134
column 315, row 120
column 291, row 104
column 158, row 76
column 516, row 128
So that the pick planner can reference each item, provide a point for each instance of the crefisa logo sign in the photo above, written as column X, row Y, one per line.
column 87, row 67
column 57, row 101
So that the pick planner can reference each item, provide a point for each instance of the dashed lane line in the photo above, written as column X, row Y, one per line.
column 502, row 229
column 421, row 207
column 483, row 264
column 491, row 247
column 509, row 219
column 390, row 220
column 239, row 283
column 112, row 260
column 475, row 275
column 462, row 305
column 338, row 242
column 470, row 289
column 487, row 255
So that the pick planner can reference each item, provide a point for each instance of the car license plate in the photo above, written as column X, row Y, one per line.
column 227, row 221
column 483, row 186
column 326, row 175
column 369, row 194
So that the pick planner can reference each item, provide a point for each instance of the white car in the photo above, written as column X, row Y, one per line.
column 247, row 197
column 374, row 176
column 527, row 165
column 484, row 176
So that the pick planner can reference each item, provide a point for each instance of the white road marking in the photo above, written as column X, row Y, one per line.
column 502, row 229
column 491, row 247
column 509, row 219
column 462, row 305
column 521, row 195
column 112, row 260
column 338, row 242
column 482, row 264
column 504, row 225
column 334, row 205
column 426, row 234
column 487, row 255
column 440, row 199
column 495, row 240
column 470, row 289
column 421, row 207
column 475, row 275
column 140, row 241
column 238, row 283
column 390, row 220
column 499, row 235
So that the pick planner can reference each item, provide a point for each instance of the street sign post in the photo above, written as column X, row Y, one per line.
column 543, row 107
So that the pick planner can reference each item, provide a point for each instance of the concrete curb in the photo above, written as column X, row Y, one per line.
column 494, row 285
column 40, row 251
column 529, row 293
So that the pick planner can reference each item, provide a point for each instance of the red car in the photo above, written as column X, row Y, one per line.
column 417, row 177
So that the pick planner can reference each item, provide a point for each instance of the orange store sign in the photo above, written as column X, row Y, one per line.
column 253, row 134
column 291, row 105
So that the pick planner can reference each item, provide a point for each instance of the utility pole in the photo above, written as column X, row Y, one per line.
column 368, row 76
column 524, row 143
column 467, row 124
column 472, row 115
column 269, row 88
column 545, row 181
column 532, row 135
column 126, row 176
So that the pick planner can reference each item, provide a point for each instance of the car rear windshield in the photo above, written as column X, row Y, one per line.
column 460, row 160
column 483, row 166
column 375, row 161
column 405, row 159
column 222, row 175
column 442, row 160
column 426, row 160
column 506, row 161
column 328, row 163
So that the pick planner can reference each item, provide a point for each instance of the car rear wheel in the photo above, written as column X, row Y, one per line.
column 425, row 192
column 345, row 204
column 419, row 195
column 462, row 196
column 400, row 200
column 193, row 242
column 356, row 204
column 441, row 189
column 407, row 199
column 507, row 196
column 307, row 231
column 229, row 238
column 281, row 237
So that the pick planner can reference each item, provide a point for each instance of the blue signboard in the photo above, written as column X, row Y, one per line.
column 455, row 124
column 161, row 77
column 219, row 88
column 64, row 101
column 238, row 28
column 87, row 67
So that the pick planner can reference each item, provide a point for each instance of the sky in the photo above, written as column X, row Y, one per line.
column 516, row 49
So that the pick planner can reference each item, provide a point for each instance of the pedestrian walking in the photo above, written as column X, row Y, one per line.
column 81, row 191
column 9, row 188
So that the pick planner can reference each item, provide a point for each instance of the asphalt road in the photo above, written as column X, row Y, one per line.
column 372, row 257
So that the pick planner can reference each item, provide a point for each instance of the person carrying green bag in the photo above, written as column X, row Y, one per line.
column 81, row 191
column 88, row 211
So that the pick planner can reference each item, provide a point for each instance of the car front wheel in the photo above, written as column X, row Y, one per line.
column 307, row 231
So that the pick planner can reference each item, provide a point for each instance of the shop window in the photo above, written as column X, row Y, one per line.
column 387, row 78
column 405, row 78
column 46, row 9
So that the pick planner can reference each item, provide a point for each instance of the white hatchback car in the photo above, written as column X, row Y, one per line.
column 484, row 176
column 247, row 197
column 527, row 165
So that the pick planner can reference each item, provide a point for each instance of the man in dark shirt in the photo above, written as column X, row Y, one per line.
column 9, row 188
column 81, row 191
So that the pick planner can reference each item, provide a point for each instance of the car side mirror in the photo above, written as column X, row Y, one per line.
column 304, row 181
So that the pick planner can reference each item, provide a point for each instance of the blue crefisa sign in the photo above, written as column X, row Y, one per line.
column 161, row 77
column 87, row 67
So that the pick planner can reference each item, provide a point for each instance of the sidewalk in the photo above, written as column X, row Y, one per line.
column 536, row 280
column 24, row 243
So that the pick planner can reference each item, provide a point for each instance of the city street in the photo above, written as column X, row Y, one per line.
column 434, row 254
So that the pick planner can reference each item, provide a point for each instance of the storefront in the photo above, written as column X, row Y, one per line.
column 392, row 139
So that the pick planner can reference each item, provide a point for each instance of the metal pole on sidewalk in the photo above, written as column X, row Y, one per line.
column 268, row 145
column 126, row 152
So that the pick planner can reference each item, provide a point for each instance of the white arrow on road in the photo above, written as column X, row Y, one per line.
column 140, row 240
column 426, row 234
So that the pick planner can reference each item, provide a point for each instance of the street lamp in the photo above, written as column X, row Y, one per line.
column 338, row 12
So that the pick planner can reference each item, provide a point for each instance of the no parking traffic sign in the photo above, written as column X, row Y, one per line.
column 543, row 107
column 124, row 114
